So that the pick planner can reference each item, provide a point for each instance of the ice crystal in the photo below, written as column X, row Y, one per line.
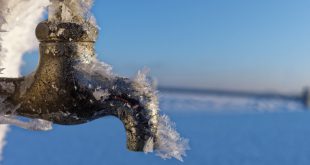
column 169, row 143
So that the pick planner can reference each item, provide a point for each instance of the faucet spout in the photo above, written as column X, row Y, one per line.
column 134, row 110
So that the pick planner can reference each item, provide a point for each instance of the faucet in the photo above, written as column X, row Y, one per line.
column 71, row 87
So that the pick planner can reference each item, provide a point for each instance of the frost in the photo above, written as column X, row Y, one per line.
column 18, row 18
column 60, row 31
column 101, row 94
column 3, row 131
column 169, row 143
column 8, row 87
column 35, row 124
column 70, row 10
column 144, row 87
column 95, row 67
column 142, row 83
column 26, row 83
column 55, row 87
column 149, row 146
column 7, row 107
column 2, row 104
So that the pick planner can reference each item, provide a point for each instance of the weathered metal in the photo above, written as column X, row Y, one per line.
column 63, row 88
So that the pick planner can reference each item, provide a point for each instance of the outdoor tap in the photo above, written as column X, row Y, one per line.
column 67, row 87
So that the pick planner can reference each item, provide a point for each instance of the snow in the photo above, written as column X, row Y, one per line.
column 221, row 103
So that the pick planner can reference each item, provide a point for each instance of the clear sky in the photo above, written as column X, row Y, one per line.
column 230, row 44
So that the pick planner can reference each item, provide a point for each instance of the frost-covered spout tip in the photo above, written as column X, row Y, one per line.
column 167, row 142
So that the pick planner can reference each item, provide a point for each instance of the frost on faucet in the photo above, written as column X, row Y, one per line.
column 33, row 124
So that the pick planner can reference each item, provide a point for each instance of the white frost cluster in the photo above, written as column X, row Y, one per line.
column 34, row 124
column 96, row 67
column 169, row 143
column 26, row 84
column 71, row 11
column 149, row 146
column 18, row 20
column 145, row 88
column 100, row 94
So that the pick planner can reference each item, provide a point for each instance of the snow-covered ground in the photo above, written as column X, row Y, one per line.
column 221, row 103
column 221, row 130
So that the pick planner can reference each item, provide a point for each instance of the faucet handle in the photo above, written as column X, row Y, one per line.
column 66, row 32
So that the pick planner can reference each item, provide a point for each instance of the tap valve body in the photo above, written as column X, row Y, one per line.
column 70, row 86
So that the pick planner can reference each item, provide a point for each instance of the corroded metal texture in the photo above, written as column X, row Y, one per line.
column 66, row 91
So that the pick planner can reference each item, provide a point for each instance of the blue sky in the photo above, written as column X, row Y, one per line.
column 240, row 44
